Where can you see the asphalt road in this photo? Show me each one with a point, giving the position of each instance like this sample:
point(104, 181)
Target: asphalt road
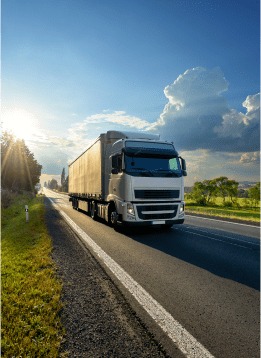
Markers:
point(205, 273)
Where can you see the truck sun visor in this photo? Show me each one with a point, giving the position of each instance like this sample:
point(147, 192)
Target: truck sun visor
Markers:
point(150, 152)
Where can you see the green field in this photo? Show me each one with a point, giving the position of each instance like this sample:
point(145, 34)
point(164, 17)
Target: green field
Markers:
point(244, 209)
point(30, 291)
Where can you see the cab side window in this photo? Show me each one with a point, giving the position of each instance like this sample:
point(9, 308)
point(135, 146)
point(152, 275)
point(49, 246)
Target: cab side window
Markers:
point(117, 162)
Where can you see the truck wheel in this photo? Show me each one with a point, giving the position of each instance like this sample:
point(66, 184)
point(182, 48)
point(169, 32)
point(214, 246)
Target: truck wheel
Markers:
point(111, 208)
point(114, 218)
point(93, 212)
point(74, 204)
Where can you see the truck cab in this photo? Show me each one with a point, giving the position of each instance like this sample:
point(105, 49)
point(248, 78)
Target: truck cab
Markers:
point(146, 182)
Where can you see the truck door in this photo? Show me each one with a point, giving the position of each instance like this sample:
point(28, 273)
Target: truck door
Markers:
point(115, 183)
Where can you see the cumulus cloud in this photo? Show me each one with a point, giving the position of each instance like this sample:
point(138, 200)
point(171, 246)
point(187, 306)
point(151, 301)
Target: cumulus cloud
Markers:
point(197, 116)
point(250, 158)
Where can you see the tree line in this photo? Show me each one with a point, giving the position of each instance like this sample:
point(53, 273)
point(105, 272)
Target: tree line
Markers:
point(207, 191)
point(53, 184)
point(19, 169)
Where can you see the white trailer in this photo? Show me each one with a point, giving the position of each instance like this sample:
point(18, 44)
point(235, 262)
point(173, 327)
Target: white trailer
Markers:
point(129, 178)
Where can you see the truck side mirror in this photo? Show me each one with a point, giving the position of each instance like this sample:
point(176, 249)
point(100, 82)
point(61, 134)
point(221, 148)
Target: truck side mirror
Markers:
point(183, 164)
point(114, 161)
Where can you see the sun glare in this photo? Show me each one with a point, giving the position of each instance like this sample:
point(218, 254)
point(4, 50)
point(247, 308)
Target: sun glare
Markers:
point(22, 123)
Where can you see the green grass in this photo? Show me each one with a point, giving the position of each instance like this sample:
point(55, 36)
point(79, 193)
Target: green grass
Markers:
point(30, 290)
point(242, 211)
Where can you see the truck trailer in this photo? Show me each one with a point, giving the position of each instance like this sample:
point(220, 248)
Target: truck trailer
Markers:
point(129, 179)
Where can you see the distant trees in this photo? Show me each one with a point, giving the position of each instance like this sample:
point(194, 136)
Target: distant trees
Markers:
point(204, 192)
point(254, 193)
point(63, 177)
point(53, 184)
point(64, 182)
point(19, 169)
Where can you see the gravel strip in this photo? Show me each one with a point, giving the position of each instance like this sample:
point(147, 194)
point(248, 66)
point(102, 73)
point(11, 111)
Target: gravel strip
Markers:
point(247, 222)
point(97, 319)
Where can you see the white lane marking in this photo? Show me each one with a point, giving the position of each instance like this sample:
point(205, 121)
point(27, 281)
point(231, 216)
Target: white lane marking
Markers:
point(249, 242)
point(176, 332)
point(228, 222)
point(230, 243)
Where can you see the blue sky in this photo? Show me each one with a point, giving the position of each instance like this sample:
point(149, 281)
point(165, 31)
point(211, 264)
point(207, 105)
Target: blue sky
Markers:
point(72, 69)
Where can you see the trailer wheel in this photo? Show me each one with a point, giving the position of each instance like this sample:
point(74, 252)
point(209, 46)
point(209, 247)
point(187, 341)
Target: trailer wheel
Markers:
point(74, 204)
point(93, 212)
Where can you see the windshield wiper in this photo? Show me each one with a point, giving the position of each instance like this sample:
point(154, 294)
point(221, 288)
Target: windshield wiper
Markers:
point(144, 169)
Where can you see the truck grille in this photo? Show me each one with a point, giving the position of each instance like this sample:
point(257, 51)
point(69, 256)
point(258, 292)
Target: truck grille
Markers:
point(144, 212)
point(156, 194)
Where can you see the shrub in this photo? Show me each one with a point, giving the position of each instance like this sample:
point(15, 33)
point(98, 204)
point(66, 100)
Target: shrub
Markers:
point(228, 204)
point(6, 198)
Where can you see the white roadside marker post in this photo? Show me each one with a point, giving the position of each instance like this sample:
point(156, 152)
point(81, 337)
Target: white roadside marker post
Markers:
point(26, 213)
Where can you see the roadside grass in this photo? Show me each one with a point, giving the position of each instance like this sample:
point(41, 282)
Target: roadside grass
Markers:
point(243, 210)
point(31, 325)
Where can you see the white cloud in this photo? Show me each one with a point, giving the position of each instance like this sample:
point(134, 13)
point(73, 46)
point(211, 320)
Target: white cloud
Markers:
point(119, 117)
point(234, 124)
point(197, 116)
point(250, 158)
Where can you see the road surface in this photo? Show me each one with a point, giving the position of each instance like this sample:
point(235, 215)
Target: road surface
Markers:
point(205, 274)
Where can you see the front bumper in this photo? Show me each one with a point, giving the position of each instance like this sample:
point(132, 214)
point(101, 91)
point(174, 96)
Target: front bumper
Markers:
point(152, 214)
point(149, 223)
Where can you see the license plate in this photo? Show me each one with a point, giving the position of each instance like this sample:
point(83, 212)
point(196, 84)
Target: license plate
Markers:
point(158, 222)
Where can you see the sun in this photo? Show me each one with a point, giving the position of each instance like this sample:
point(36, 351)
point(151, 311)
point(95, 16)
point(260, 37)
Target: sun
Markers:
point(22, 123)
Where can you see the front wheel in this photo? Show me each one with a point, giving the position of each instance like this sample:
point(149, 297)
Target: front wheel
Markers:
point(111, 209)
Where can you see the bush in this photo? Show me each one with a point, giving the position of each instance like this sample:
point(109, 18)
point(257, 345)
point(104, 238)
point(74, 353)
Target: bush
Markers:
point(246, 203)
point(201, 202)
point(228, 204)
point(6, 198)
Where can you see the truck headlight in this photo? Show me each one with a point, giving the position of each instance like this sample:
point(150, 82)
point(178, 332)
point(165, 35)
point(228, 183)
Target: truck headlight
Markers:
point(130, 209)
point(182, 208)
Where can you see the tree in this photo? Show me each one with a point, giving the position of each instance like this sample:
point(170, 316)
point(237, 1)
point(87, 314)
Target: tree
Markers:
point(197, 193)
point(232, 190)
point(19, 169)
point(221, 187)
point(254, 193)
point(66, 184)
point(203, 192)
point(63, 177)
point(53, 184)
point(209, 190)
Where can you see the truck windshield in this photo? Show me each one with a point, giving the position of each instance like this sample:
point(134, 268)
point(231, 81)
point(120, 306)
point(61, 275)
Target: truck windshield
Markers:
point(157, 167)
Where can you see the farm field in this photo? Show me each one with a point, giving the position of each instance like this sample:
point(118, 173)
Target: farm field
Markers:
point(243, 211)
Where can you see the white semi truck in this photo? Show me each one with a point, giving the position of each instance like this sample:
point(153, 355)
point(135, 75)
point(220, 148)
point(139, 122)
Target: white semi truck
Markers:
point(129, 178)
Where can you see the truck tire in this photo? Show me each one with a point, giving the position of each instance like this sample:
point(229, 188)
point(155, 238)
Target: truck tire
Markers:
point(93, 212)
point(74, 204)
point(111, 209)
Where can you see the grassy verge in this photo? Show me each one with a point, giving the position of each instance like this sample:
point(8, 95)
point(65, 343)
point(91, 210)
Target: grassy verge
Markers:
point(30, 291)
point(248, 214)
